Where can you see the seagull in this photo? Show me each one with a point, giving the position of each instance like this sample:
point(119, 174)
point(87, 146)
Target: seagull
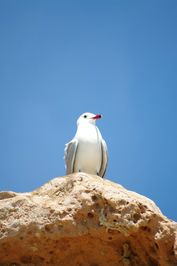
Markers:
point(87, 151)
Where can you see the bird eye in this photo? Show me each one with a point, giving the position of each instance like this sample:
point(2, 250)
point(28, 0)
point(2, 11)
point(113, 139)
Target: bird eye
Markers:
point(85, 116)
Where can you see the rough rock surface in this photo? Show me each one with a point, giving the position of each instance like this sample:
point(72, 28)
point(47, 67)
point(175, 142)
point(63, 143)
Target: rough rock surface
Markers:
point(84, 220)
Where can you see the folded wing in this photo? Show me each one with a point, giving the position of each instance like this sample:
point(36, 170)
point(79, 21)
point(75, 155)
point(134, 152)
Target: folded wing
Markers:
point(104, 163)
point(70, 155)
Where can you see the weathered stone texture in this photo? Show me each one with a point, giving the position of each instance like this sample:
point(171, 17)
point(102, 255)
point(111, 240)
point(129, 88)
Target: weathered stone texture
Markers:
point(84, 220)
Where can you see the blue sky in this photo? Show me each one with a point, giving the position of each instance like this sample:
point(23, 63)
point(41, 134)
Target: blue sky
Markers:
point(59, 59)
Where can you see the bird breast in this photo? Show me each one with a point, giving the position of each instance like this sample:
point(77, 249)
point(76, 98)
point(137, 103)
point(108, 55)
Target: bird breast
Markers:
point(89, 156)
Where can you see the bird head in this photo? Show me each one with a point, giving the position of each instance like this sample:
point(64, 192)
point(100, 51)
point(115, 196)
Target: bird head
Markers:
point(88, 118)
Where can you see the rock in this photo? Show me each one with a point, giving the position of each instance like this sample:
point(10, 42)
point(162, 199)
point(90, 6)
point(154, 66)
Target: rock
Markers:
point(84, 220)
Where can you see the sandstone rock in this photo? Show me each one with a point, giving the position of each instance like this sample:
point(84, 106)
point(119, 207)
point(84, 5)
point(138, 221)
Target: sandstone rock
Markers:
point(84, 220)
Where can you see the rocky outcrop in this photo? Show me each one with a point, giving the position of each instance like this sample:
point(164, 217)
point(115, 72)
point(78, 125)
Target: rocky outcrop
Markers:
point(84, 220)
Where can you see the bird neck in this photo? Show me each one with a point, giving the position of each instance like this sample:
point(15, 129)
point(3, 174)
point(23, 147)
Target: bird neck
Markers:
point(87, 131)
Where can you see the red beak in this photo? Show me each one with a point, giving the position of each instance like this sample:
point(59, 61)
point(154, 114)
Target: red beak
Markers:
point(97, 117)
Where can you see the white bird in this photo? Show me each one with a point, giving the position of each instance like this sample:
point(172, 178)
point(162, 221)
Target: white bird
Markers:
point(87, 151)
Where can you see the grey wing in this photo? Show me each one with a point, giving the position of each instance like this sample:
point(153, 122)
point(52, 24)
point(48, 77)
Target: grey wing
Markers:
point(104, 158)
point(69, 155)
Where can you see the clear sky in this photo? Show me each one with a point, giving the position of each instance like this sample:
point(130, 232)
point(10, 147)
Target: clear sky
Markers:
point(59, 59)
